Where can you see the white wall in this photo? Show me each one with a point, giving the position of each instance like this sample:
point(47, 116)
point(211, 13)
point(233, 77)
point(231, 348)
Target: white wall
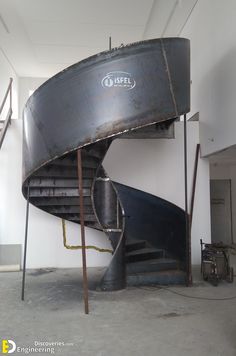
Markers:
point(45, 248)
point(212, 31)
point(27, 84)
point(7, 72)
point(227, 171)
point(155, 166)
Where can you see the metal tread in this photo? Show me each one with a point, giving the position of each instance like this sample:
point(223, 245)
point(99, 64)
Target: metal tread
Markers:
point(72, 164)
point(152, 265)
point(51, 171)
point(76, 217)
point(58, 192)
point(68, 209)
point(173, 277)
point(58, 182)
point(145, 250)
point(59, 201)
point(144, 254)
point(134, 245)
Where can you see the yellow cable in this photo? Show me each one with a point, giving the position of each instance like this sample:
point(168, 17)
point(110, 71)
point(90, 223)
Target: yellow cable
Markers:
point(71, 247)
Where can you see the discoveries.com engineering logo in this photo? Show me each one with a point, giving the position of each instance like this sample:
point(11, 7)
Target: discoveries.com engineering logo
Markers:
point(39, 347)
point(8, 346)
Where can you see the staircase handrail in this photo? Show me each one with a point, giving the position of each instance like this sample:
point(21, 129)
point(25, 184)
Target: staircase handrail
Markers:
point(7, 120)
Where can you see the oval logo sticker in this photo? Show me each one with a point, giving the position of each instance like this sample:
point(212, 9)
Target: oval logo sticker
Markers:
point(118, 80)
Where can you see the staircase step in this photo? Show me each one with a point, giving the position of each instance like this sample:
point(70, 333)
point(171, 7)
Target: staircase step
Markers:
point(154, 265)
point(133, 245)
point(63, 172)
point(57, 192)
point(87, 162)
point(58, 201)
point(52, 171)
point(76, 218)
point(58, 183)
point(72, 209)
point(160, 278)
point(144, 254)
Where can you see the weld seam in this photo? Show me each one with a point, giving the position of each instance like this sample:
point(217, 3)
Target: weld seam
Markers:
point(169, 77)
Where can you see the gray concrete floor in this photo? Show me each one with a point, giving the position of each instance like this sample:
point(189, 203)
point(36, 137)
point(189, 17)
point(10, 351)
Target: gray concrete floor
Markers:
point(136, 321)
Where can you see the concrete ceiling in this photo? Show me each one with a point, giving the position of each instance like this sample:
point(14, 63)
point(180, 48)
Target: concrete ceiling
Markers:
point(41, 37)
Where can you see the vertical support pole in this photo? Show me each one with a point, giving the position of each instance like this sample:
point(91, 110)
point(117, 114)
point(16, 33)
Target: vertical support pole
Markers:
point(26, 241)
point(117, 214)
point(81, 200)
point(11, 93)
point(194, 183)
point(231, 212)
point(187, 227)
point(201, 243)
point(110, 43)
point(11, 80)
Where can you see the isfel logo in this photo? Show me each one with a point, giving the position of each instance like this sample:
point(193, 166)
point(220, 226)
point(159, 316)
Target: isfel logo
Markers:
point(8, 346)
point(118, 80)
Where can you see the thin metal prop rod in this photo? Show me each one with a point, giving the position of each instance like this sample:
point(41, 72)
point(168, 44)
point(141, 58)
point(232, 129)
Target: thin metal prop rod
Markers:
point(194, 184)
point(81, 200)
point(110, 43)
point(26, 241)
point(187, 227)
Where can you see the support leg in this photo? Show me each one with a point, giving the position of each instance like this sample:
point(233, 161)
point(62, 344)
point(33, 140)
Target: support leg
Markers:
point(81, 199)
point(25, 245)
point(187, 227)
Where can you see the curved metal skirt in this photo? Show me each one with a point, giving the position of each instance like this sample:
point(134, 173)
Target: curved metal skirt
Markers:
point(88, 105)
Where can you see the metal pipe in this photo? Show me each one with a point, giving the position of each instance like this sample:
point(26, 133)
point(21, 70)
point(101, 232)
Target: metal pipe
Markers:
point(25, 245)
point(194, 183)
point(110, 43)
point(187, 229)
point(11, 97)
point(231, 212)
point(7, 122)
point(81, 200)
point(6, 95)
point(117, 213)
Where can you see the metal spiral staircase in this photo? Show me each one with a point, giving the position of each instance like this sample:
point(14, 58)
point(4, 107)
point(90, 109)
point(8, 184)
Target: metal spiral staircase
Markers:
point(87, 106)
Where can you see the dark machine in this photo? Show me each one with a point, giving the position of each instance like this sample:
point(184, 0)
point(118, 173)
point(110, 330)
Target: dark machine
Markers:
point(215, 263)
point(85, 107)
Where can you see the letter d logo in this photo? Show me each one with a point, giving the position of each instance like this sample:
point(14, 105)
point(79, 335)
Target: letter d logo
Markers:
point(5, 346)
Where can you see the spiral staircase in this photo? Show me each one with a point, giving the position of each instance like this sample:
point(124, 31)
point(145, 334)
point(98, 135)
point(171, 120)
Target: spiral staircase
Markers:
point(86, 107)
